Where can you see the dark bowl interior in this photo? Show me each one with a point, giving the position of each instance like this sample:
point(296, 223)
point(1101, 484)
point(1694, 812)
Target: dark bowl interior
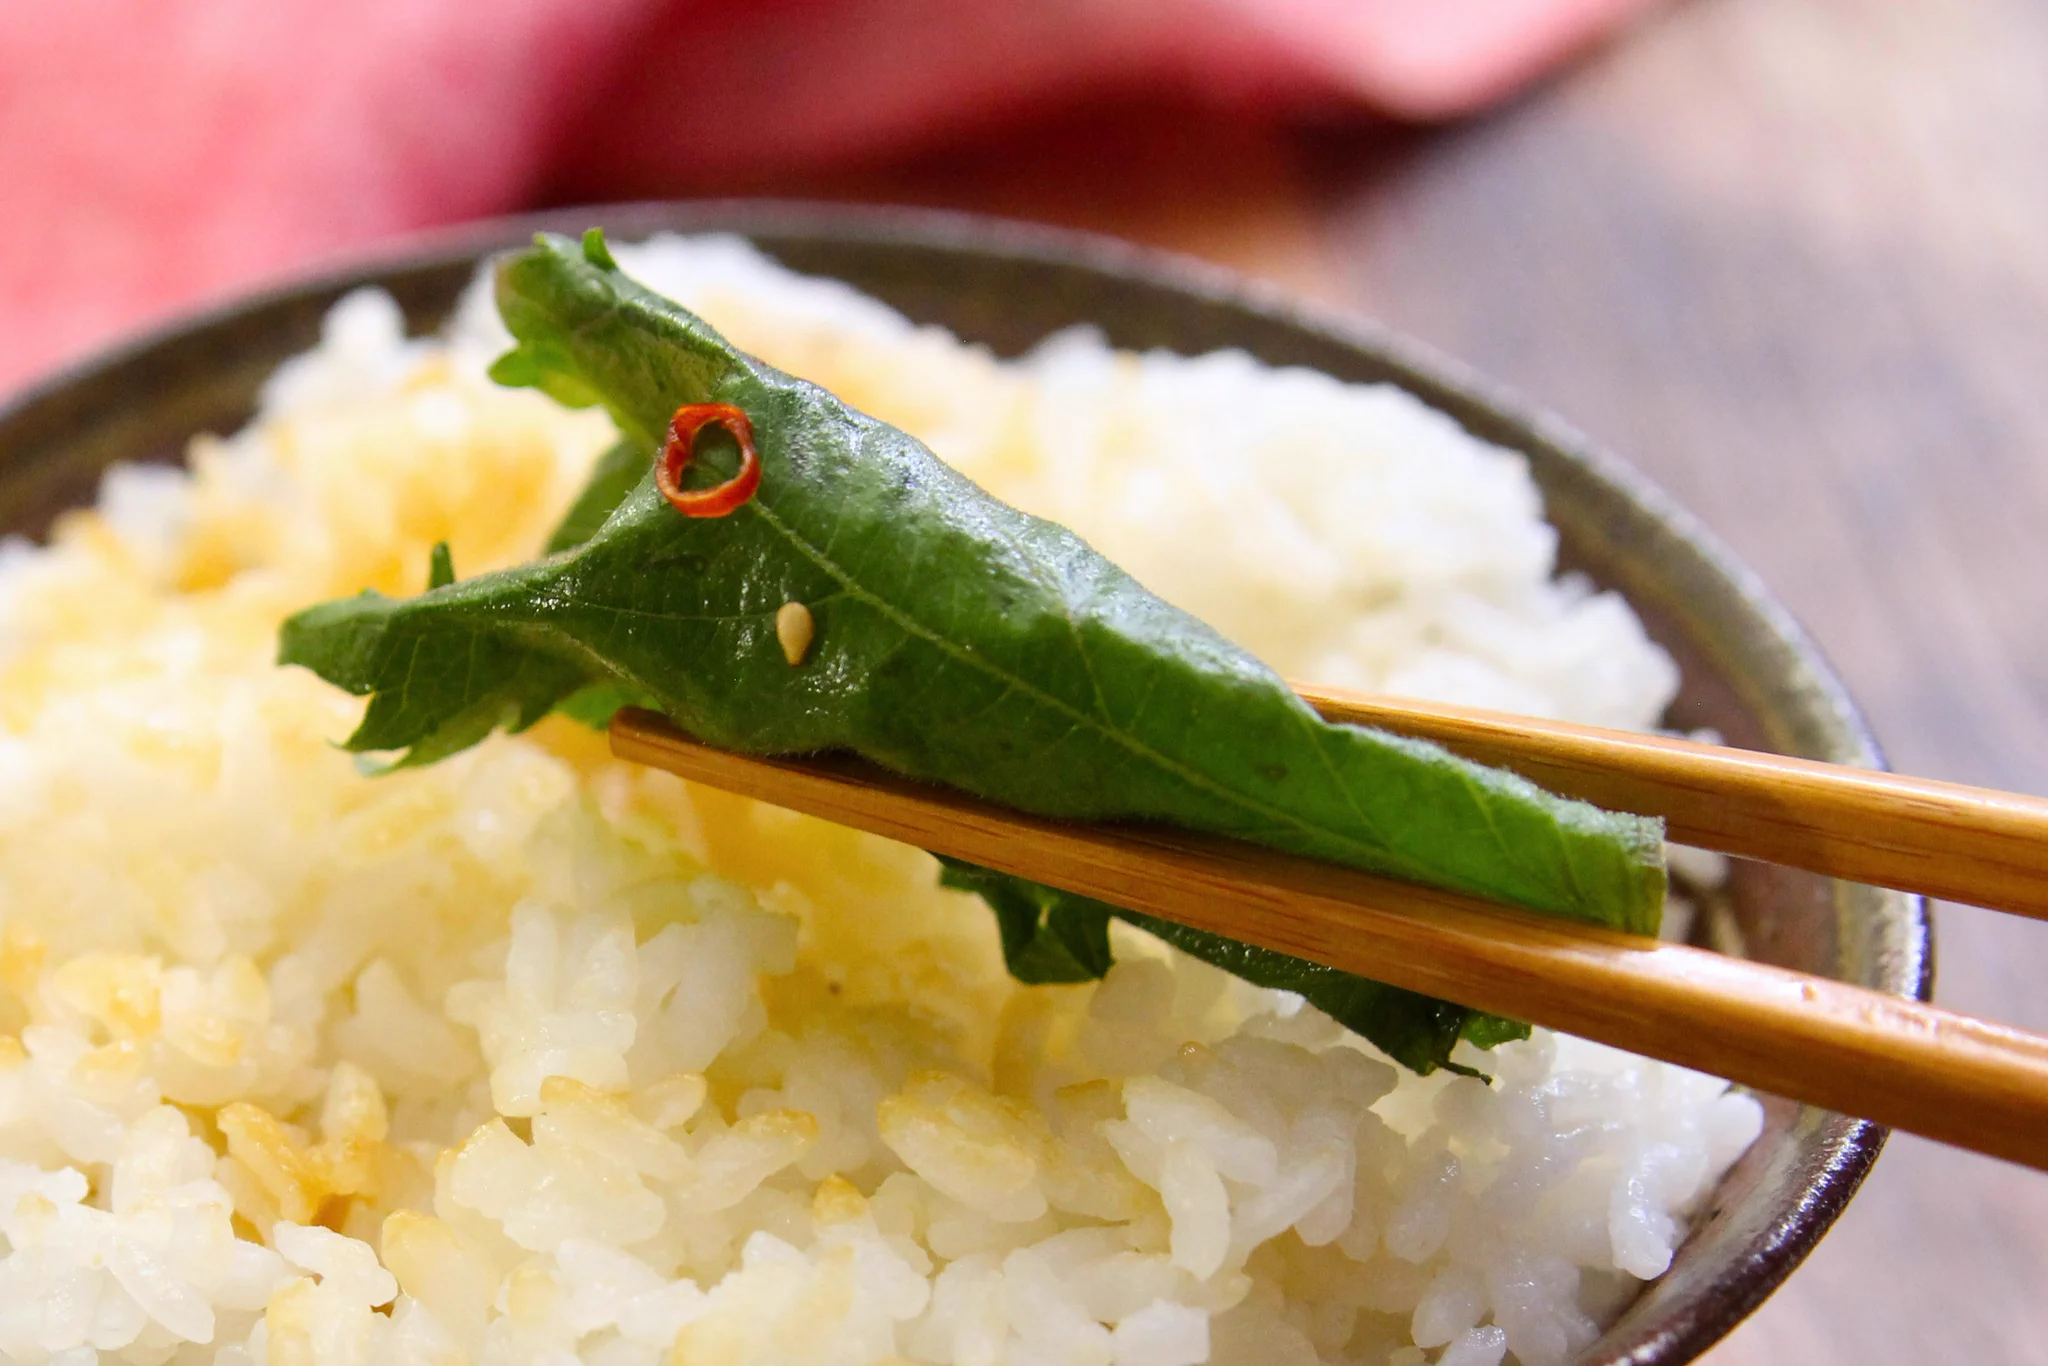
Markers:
point(1748, 670)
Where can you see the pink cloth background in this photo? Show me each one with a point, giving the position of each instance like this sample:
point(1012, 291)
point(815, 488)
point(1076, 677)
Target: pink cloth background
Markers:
point(158, 153)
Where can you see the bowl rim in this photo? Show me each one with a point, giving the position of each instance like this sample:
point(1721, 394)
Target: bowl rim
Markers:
point(1431, 374)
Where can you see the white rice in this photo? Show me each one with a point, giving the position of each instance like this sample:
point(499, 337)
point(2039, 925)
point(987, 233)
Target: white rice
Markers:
point(535, 1057)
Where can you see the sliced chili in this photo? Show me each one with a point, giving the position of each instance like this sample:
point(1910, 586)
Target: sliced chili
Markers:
point(719, 499)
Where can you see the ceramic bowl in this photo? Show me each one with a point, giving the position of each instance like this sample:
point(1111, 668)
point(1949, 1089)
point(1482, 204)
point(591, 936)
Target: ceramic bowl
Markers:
point(1749, 671)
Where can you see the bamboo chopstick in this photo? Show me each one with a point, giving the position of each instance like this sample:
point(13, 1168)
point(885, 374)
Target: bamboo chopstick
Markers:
point(1900, 1062)
point(1967, 844)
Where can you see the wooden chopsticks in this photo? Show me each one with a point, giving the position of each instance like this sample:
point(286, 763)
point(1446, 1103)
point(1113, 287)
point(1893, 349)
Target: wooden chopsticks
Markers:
point(1967, 844)
point(1901, 1062)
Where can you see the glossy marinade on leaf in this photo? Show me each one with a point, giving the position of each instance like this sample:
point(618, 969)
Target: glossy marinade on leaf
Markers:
point(956, 640)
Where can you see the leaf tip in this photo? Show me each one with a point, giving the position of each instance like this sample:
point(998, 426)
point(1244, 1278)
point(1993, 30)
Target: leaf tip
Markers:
point(596, 252)
point(370, 765)
point(440, 567)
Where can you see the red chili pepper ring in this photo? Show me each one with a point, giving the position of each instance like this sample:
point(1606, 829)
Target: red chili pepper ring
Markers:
point(719, 499)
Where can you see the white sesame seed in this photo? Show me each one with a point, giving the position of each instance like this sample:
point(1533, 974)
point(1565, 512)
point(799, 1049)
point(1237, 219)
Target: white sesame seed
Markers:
point(794, 627)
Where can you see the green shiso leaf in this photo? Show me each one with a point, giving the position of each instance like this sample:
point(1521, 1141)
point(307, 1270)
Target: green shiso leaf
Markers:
point(958, 640)
point(1048, 935)
point(611, 479)
point(1055, 936)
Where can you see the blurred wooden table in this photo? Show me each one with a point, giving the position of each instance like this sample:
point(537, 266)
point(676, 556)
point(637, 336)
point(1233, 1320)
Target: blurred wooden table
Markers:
point(1791, 258)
